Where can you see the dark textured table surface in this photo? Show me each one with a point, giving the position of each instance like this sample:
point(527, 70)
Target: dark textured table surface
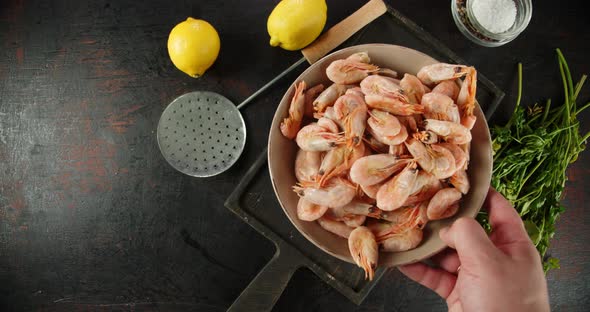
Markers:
point(93, 218)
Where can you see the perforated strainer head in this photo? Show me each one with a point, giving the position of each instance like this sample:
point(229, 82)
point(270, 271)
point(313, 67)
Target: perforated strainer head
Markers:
point(201, 134)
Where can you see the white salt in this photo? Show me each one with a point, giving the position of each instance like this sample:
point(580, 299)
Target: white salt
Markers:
point(496, 16)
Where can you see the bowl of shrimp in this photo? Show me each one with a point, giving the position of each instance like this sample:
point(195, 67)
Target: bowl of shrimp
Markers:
point(375, 148)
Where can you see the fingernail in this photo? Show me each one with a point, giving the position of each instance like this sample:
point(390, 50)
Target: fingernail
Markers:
point(442, 232)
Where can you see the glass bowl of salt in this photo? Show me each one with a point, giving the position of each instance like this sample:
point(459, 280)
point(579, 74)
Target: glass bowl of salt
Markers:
point(491, 23)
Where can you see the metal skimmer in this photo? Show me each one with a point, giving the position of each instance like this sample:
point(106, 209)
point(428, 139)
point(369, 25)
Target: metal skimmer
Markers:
point(201, 134)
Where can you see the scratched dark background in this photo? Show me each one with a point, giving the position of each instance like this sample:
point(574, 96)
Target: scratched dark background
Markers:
point(92, 217)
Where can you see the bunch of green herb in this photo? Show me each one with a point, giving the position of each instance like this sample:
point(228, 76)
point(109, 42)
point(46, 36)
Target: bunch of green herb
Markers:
point(531, 155)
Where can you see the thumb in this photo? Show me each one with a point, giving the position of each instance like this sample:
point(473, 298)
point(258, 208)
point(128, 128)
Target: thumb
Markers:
point(470, 240)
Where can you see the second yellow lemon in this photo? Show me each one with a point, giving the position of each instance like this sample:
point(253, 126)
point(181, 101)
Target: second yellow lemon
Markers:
point(293, 24)
point(193, 46)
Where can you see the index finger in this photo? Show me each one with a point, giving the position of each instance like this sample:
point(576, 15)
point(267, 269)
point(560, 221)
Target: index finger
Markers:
point(505, 220)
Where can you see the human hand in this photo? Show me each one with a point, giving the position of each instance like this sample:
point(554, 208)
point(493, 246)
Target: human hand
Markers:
point(499, 273)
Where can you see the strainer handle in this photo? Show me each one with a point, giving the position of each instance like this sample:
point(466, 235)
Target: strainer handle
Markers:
point(344, 30)
point(268, 285)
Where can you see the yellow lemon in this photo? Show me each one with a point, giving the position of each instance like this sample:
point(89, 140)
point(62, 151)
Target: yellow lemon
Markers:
point(193, 46)
point(293, 24)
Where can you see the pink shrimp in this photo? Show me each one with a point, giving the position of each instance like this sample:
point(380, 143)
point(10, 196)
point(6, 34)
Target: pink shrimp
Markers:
point(338, 192)
point(396, 105)
point(376, 145)
point(307, 165)
point(308, 211)
point(452, 132)
point(349, 71)
point(291, 125)
point(411, 122)
point(443, 204)
point(466, 97)
point(355, 91)
point(441, 107)
point(433, 158)
point(371, 190)
point(398, 150)
point(373, 169)
point(332, 165)
point(310, 95)
point(328, 97)
point(458, 154)
point(448, 88)
point(386, 128)
point(380, 85)
point(364, 251)
point(313, 138)
point(394, 192)
point(354, 125)
point(413, 88)
point(335, 227)
point(403, 241)
point(435, 73)
point(460, 181)
point(426, 137)
point(328, 124)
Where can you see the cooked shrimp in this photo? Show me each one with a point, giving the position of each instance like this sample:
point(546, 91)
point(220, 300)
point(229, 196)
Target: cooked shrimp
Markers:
point(441, 107)
point(396, 105)
point(398, 150)
point(349, 71)
point(373, 169)
point(413, 88)
point(376, 145)
point(291, 125)
point(411, 122)
point(466, 97)
point(353, 220)
point(435, 73)
point(425, 193)
point(358, 207)
point(448, 88)
point(347, 103)
point(328, 97)
point(331, 114)
point(332, 165)
point(364, 251)
point(308, 211)
point(338, 192)
point(383, 123)
point(460, 181)
point(426, 137)
point(307, 165)
point(443, 162)
point(362, 57)
point(310, 95)
point(354, 125)
point(355, 91)
point(396, 139)
point(433, 158)
point(335, 227)
point(458, 154)
point(350, 219)
point(313, 138)
point(328, 124)
point(443, 204)
point(380, 85)
point(337, 161)
point(452, 132)
point(402, 216)
point(403, 241)
point(394, 192)
point(371, 190)
point(468, 121)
